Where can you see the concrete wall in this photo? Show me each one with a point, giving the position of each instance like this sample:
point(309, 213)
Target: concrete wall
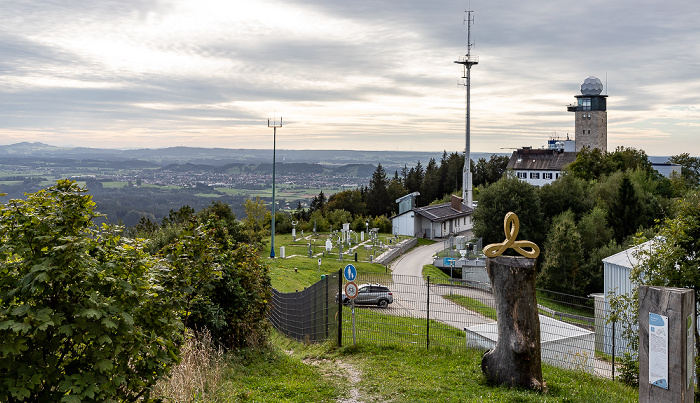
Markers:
point(395, 251)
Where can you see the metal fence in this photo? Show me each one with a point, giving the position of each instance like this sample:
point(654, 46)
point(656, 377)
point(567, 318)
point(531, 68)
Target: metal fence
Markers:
point(308, 315)
point(448, 314)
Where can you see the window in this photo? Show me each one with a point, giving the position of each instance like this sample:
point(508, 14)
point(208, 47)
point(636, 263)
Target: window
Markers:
point(547, 175)
point(522, 175)
point(557, 176)
point(584, 103)
point(534, 175)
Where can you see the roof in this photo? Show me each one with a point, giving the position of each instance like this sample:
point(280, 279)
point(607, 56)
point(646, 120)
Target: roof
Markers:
point(542, 160)
point(443, 212)
point(629, 257)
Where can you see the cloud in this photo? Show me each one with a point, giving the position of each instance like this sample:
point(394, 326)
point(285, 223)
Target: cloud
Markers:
point(358, 74)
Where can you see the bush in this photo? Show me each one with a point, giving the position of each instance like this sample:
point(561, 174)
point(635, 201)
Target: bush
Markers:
point(80, 318)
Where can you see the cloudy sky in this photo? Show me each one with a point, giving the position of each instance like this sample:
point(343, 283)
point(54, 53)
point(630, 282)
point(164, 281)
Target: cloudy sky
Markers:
point(357, 74)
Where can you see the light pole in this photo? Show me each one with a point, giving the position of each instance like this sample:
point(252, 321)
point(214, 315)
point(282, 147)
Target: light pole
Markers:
point(274, 127)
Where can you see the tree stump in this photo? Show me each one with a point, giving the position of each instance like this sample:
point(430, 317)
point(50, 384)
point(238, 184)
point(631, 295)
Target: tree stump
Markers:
point(516, 360)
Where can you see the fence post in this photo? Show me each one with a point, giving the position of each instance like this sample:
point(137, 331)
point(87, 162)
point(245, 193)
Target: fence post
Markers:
point(427, 317)
point(613, 350)
point(340, 308)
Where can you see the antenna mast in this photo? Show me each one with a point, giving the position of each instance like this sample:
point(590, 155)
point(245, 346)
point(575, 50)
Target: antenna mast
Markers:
point(467, 62)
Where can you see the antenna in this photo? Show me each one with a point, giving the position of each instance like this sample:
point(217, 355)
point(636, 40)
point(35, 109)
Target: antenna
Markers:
point(467, 61)
point(274, 127)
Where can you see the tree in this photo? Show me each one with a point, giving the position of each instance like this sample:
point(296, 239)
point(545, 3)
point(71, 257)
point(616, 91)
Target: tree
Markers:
point(431, 183)
point(690, 168)
point(318, 203)
point(348, 200)
point(377, 196)
point(566, 193)
point(506, 195)
point(590, 164)
point(257, 222)
point(81, 317)
point(671, 261)
point(453, 173)
point(561, 266)
point(625, 211)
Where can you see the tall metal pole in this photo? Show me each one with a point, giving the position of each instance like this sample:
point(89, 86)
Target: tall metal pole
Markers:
point(274, 127)
point(467, 61)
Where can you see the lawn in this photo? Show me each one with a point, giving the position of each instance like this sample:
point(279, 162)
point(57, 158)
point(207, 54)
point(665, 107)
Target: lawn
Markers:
point(290, 371)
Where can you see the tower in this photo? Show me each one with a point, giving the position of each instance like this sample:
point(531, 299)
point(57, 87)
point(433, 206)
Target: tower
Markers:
point(467, 61)
point(591, 116)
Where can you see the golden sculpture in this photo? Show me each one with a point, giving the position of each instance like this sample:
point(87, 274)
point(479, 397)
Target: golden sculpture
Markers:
point(511, 226)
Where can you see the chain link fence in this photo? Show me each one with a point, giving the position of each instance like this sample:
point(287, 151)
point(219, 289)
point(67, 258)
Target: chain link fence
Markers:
point(448, 314)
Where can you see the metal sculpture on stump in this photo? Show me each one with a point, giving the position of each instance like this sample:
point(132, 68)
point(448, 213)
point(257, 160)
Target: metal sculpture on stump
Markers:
point(516, 359)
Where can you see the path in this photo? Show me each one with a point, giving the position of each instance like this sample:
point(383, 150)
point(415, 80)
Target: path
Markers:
point(412, 295)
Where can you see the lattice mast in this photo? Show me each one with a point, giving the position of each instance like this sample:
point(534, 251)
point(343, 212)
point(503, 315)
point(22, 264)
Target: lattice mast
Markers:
point(467, 61)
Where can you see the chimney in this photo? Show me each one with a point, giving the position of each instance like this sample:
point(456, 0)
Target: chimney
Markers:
point(456, 203)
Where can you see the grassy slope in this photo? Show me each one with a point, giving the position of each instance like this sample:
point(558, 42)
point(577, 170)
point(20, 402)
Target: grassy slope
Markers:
point(297, 372)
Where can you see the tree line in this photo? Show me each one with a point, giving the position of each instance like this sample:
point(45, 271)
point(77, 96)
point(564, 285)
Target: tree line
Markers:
point(373, 204)
point(603, 204)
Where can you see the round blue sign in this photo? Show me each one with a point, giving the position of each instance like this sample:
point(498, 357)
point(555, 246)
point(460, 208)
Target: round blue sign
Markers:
point(350, 272)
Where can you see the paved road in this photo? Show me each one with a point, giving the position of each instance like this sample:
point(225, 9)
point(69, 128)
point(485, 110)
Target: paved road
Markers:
point(410, 291)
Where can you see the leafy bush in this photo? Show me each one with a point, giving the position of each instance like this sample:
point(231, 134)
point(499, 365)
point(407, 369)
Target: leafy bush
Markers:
point(80, 317)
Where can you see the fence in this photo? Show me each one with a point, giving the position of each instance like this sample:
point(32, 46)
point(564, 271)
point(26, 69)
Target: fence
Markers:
point(308, 315)
point(448, 314)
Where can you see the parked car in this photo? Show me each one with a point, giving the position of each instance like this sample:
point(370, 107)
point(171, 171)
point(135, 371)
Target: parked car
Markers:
point(370, 294)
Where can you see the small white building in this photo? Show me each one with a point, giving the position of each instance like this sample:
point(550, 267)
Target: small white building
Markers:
point(616, 281)
point(431, 222)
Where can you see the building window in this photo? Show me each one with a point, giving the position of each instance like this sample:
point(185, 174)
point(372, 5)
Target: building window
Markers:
point(557, 176)
point(547, 175)
point(585, 104)
point(534, 175)
point(522, 175)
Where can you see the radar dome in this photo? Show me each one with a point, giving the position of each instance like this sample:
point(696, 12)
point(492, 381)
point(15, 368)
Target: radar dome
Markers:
point(591, 86)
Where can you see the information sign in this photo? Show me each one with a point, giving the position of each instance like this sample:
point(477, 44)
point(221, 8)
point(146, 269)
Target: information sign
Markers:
point(351, 290)
point(350, 272)
point(658, 350)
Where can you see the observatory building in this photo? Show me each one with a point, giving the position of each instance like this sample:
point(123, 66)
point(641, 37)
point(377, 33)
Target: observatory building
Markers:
point(591, 116)
point(543, 166)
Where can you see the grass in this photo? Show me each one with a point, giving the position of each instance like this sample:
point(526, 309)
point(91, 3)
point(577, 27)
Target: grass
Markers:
point(472, 305)
point(286, 279)
point(290, 371)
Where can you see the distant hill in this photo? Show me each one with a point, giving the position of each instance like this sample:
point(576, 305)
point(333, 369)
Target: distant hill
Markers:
point(390, 160)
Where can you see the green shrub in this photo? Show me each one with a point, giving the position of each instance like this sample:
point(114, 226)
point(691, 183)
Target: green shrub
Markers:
point(80, 318)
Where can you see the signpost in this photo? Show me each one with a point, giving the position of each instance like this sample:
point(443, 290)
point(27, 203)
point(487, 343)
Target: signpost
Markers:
point(350, 274)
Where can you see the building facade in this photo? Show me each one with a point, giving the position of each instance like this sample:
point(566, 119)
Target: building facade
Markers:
point(591, 119)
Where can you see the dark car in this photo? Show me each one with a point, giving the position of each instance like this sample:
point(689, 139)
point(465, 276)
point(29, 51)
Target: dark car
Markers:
point(371, 294)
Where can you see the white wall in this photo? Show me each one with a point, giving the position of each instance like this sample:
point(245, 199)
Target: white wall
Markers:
point(539, 180)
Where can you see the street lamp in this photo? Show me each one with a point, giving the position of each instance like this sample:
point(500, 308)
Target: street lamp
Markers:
point(274, 127)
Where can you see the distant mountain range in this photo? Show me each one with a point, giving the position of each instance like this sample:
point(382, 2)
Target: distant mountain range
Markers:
point(391, 160)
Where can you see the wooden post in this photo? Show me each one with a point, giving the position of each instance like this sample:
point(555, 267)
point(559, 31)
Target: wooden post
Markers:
point(666, 344)
point(516, 360)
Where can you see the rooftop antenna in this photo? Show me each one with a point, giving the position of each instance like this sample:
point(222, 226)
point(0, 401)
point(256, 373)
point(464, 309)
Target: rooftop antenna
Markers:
point(467, 61)
point(274, 127)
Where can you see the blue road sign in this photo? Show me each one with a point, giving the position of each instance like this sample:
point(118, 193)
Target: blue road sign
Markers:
point(350, 272)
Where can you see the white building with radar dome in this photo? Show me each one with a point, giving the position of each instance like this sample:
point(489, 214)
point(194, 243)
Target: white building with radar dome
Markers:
point(543, 166)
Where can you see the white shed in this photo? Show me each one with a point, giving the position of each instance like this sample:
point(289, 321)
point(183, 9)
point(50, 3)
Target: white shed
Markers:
point(616, 281)
point(562, 345)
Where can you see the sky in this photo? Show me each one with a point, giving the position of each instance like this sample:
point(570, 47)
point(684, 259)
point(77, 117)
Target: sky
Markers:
point(353, 75)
